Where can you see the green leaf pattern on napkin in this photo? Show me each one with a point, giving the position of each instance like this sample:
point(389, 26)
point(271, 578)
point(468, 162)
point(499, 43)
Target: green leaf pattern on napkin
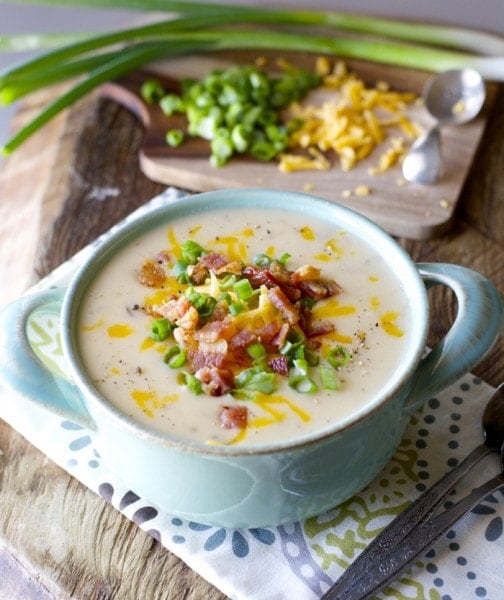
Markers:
point(44, 338)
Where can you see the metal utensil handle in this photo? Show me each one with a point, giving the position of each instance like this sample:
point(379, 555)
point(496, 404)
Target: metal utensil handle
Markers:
point(420, 539)
point(394, 534)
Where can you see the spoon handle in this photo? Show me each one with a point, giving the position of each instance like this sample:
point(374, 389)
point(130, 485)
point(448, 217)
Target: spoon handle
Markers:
point(385, 570)
point(393, 536)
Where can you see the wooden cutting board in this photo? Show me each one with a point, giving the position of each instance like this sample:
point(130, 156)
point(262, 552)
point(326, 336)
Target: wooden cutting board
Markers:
point(401, 208)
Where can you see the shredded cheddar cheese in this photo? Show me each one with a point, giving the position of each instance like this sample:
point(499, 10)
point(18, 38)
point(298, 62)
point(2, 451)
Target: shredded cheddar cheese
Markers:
point(352, 123)
point(119, 330)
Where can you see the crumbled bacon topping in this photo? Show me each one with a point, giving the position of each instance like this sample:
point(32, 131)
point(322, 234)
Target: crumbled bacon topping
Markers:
point(152, 274)
point(233, 417)
point(216, 381)
point(216, 345)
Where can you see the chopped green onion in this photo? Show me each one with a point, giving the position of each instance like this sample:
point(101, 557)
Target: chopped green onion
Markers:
point(227, 282)
point(263, 150)
point(293, 349)
point(311, 357)
point(262, 260)
point(299, 351)
point(203, 303)
point(301, 366)
point(257, 380)
point(174, 137)
point(287, 348)
point(175, 357)
point(338, 357)
point(257, 352)
point(240, 137)
point(152, 91)
point(284, 258)
point(191, 382)
point(170, 103)
point(222, 149)
point(191, 251)
point(161, 329)
point(329, 379)
point(225, 297)
point(235, 308)
point(232, 109)
point(179, 271)
point(302, 384)
point(243, 289)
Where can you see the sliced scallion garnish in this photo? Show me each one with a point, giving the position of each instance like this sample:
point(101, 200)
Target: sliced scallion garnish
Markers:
point(191, 251)
point(175, 357)
point(256, 379)
point(191, 382)
point(302, 384)
point(257, 352)
point(161, 329)
point(338, 357)
point(329, 378)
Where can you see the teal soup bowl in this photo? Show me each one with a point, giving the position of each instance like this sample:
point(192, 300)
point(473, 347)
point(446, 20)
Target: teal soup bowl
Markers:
point(247, 358)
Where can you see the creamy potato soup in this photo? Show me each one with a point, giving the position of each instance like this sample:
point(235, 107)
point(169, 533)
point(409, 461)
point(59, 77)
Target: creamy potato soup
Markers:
point(227, 328)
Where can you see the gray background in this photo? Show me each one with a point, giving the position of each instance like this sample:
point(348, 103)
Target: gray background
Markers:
point(481, 14)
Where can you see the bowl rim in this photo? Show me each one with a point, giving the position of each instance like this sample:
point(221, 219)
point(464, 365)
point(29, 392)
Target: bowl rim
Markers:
point(130, 230)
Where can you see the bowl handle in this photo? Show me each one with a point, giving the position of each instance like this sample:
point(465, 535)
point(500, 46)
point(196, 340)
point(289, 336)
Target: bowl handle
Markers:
point(24, 371)
point(476, 328)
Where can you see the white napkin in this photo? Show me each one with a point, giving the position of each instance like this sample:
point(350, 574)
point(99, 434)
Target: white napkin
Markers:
point(300, 561)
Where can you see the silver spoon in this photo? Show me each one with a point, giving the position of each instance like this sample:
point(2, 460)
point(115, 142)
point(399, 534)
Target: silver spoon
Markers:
point(452, 98)
point(415, 529)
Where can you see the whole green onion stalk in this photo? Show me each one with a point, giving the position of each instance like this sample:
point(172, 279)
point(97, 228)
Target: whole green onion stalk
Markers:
point(93, 59)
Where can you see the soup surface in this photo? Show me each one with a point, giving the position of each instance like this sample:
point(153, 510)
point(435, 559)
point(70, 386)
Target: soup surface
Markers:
point(195, 329)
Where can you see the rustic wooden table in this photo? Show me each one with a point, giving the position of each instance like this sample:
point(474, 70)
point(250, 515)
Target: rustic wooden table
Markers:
point(64, 187)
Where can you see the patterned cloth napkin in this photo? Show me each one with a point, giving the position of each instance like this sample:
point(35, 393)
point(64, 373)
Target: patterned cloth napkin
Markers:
point(300, 561)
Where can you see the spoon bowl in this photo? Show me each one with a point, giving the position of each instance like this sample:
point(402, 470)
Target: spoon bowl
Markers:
point(455, 97)
point(451, 98)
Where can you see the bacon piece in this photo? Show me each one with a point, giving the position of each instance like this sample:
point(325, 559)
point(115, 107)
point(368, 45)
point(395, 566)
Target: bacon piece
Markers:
point(233, 417)
point(281, 337)
point(258, 277)
point(215, 381)
point(233, 267)
point(279, 364)
point(152, 274)
point(267, 333)
point(292, 292)
point(279, 272)
point(280, 301)
point(212, 331)
point(198, 360)
point(174, 309)
point(319, 288)
point(213, 261)
point(189, 320)
point(198, 273)
point(242, 339)
point(319, 328)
